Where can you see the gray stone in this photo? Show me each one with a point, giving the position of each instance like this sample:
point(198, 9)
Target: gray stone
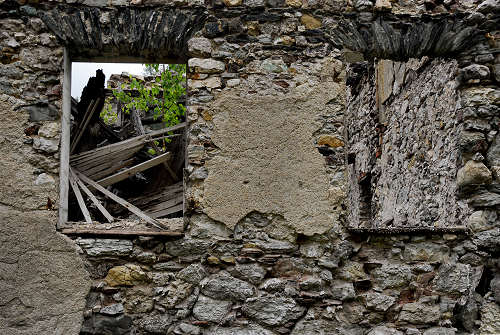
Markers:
point(383, 330)
point(250, 329)
point(103, 324)
point(193, 274)
point(49, 129)
point(223, 286)
point(343, 291)
point(312, 249)
point(188, 329)
point(200, 173)
point(208, 309)
point(495, 287)
point(490, 318)
point(252, 272)
point(310, 283)
point(174, 294)
point(205, 228)
point(468, 314)
point(113, 309)
point(275, 246)
point(489, 6)
point(168, 266)
point(106, 247)
point(484, 199)
point(254, 3)
point(187, 247)
point(493, 155)
point(476, 71)
point(378, 301)
point(472, 141)
point(45, 144)
point(452, 278)
point(42, 112)
point(155, 324)
point(44, 179)
point(273, 65)
point(202, 65)
point(440, 331)
point(199, 46)
point(417, 313)
point(426, 252)
point(272, 310)
point(392, 275)
point(478, 222)
point(273, 285)
point(473, 173)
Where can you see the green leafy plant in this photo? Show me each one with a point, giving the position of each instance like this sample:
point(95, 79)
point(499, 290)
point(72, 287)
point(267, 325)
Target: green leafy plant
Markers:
point(162, 95)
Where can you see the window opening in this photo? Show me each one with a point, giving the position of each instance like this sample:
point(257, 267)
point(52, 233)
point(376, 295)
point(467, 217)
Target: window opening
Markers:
point(126, 146)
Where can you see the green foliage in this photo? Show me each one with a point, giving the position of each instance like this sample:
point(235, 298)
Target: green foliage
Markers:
point(107, 113)
point(162, 96)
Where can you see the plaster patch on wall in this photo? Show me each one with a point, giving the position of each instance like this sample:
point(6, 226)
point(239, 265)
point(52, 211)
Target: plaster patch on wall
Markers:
point(268, 162)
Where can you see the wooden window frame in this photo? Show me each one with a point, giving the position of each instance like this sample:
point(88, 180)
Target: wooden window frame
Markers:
point(65, 149)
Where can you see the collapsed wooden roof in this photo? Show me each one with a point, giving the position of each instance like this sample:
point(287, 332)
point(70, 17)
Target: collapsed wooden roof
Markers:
point(97, 170)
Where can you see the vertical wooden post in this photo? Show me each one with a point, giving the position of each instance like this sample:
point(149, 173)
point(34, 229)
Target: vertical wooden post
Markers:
point(65, 143)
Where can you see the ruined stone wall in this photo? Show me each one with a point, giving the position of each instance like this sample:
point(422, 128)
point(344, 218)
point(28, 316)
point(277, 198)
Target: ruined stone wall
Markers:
point(267, 249)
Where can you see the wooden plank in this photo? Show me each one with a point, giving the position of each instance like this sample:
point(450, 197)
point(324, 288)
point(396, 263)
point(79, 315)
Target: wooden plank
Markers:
point(96, 202)
point(117, 232)
point(110, 148)
point(167, 211)
point(104, 162)
point(119, 200)
point(166, 204)
point(123, 145)
point(133, 170)
point(88, 115)
point(79, 198)
point(103, 173)
point(65, 142)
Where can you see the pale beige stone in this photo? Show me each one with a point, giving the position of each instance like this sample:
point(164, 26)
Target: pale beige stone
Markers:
point(126, 275)
point(294, 3)
point(232, 3)
point(268, 161)
point(473, 173)
point(382, 5)
point(330, 141)
point(310, 21)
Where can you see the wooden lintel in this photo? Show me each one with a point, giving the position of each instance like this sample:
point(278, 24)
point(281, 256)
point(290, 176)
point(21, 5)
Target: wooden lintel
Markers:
point(119, 232)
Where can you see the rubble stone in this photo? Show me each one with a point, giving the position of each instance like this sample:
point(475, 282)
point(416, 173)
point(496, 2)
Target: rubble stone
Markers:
point(272, 310)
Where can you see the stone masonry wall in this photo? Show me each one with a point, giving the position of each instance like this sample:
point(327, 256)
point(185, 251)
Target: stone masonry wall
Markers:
point(405, 141)
point(267, 246)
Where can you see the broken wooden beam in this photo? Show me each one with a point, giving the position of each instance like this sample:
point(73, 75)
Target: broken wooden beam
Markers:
point(119, 176)
point(92, 197)
point(79, 198)
point(119, 200)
